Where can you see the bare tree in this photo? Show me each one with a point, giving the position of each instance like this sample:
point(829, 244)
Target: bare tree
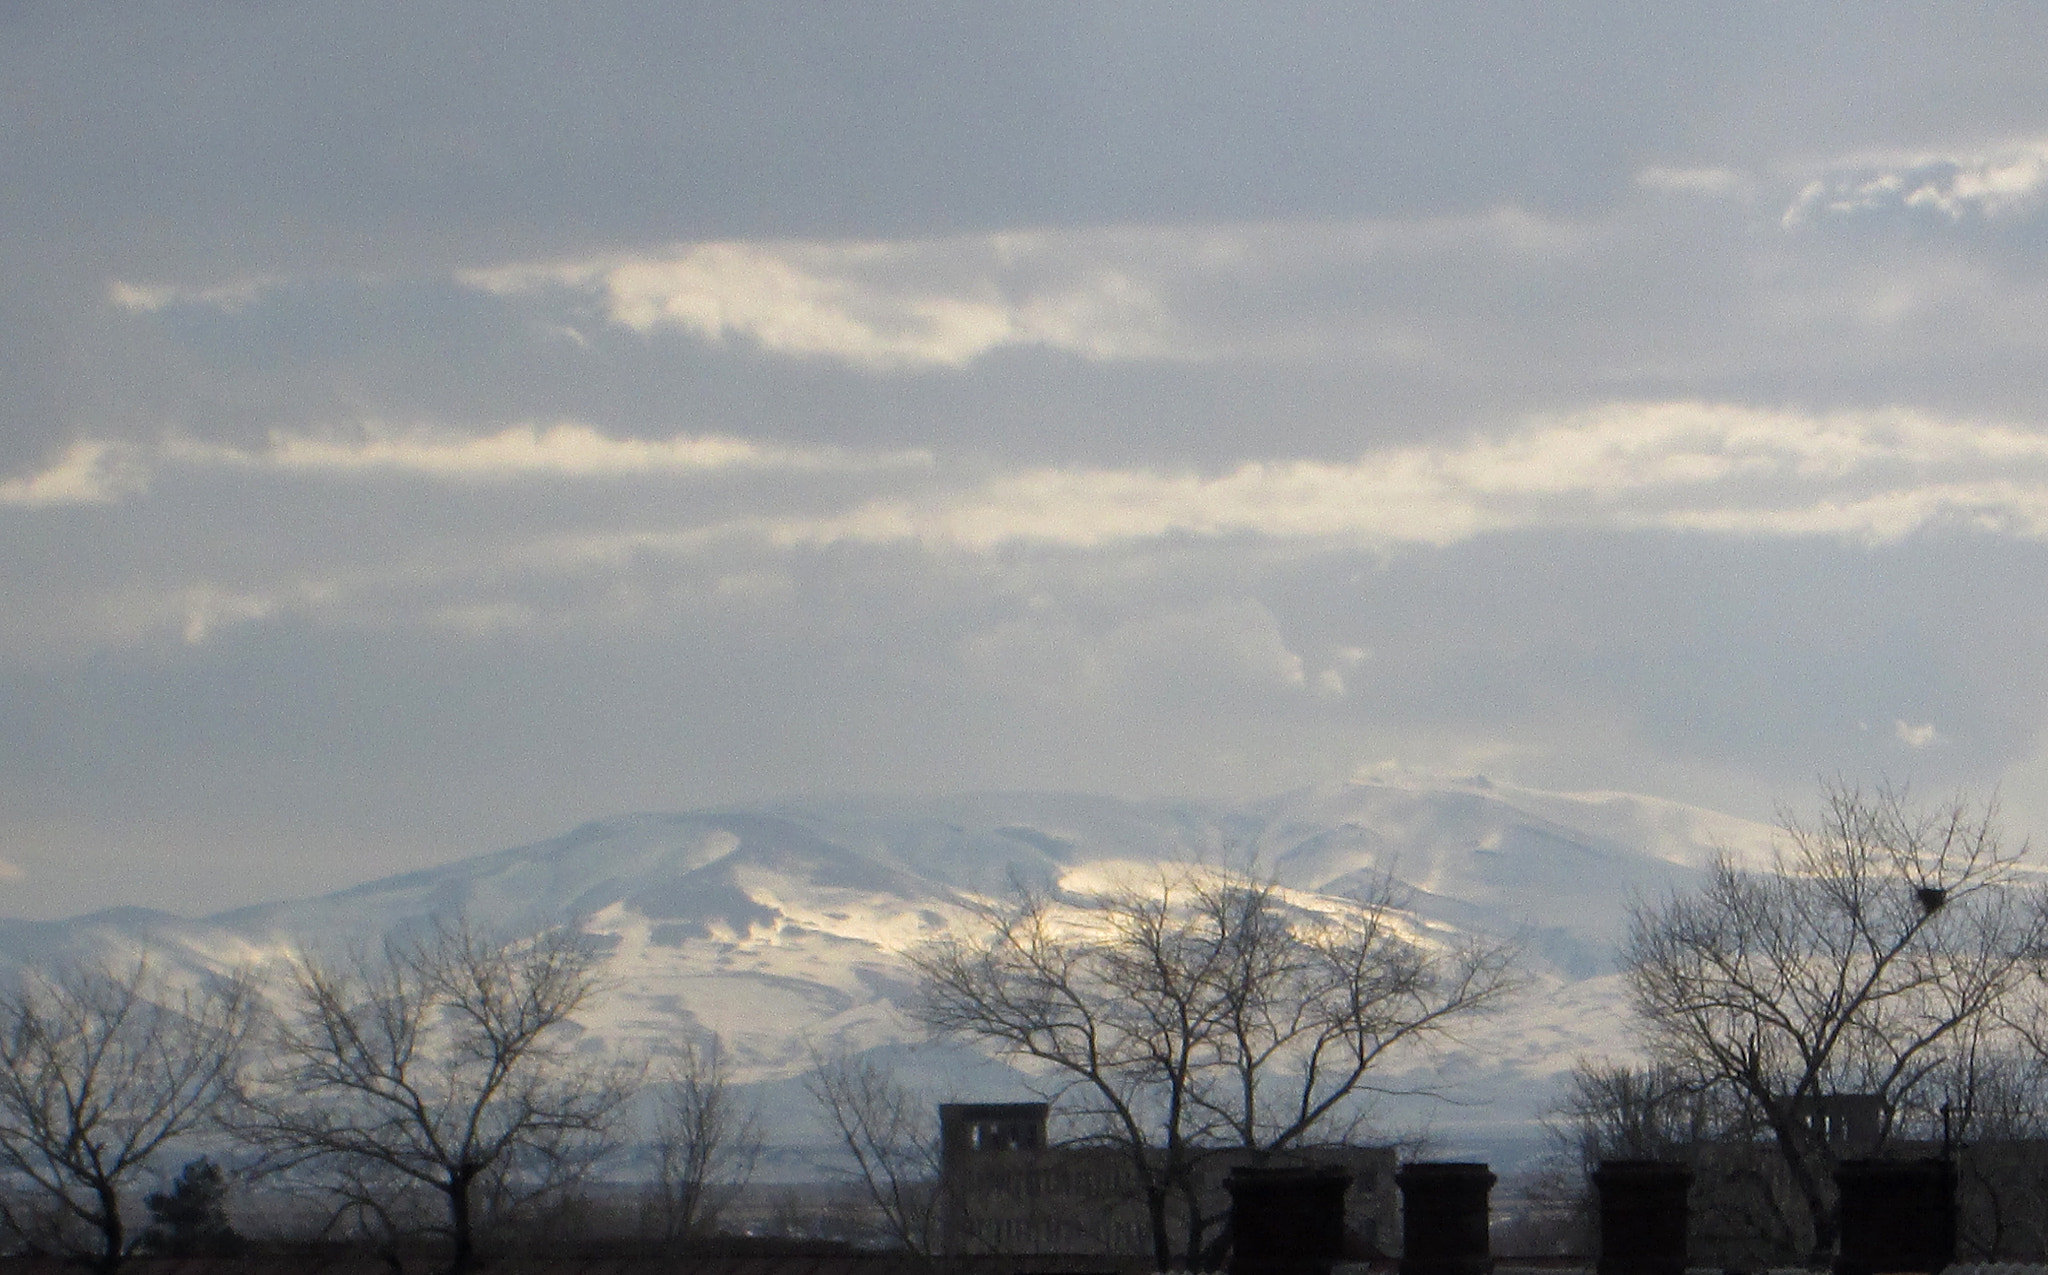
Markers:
point(1662, 1112)
point(890, 1136)
point(706, 1142)
point(1204, 1010)
point(100, 1068)
point(1615, 1111)
point(444, 1062)
point(1875, 939)
point(1991, 1112)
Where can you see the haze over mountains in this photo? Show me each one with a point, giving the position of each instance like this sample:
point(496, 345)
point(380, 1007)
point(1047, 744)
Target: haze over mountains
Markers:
point(781, 925)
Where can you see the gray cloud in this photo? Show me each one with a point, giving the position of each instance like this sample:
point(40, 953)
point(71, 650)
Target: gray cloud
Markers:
point(412, 442)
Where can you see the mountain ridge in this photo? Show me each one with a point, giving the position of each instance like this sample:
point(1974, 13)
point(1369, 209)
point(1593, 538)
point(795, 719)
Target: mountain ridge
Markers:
point(782, 926)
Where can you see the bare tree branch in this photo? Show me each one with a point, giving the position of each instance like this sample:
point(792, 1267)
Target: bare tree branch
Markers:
point(1203, 1010)
point(706, 1142)
point(99, 1069)
point(1879, 938)
point(889, 1135)
point(444, 1061)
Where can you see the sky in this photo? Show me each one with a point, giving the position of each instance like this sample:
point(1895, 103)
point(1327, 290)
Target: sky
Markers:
point(427, 426)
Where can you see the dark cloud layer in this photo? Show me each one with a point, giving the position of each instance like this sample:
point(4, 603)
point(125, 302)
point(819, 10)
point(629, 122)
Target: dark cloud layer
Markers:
point(222, 132)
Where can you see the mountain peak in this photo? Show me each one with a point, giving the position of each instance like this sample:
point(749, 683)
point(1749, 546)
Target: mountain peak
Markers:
point(783, 923)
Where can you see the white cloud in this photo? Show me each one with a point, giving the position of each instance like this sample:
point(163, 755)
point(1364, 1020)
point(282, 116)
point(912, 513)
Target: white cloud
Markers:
point(1694, 181)
point(208, 609)
point(1706, 468)
point(1885, 517)
point(149, 298)
point(89, 472)
point(1101, 294)
point(565, 450)
point(1871, 477)
point(484, 618)
point(2001, 181)
point(1916, 736)
point(97, 471)
point(880, 306)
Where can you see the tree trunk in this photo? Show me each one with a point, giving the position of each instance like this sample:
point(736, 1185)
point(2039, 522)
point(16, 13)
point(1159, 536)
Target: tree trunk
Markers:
point(1190, 1200)
point(459, 1225)
point(1807, 1180)
point(1162, 1244)
point(1825, 1228)
point(113, 1237)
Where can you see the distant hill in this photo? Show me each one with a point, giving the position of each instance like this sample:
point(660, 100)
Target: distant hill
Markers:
point(780, 924)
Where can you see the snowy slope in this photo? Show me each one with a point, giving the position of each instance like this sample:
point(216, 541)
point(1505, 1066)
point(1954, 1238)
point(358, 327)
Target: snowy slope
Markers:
point(780, 925)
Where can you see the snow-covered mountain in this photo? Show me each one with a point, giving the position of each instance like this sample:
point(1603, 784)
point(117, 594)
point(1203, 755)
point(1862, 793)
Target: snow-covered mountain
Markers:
point(782, 924)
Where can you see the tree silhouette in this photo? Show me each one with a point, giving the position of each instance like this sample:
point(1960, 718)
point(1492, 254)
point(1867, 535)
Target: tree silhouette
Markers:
point(1204, 1010)
point(191, 1219)
point(442, 1065)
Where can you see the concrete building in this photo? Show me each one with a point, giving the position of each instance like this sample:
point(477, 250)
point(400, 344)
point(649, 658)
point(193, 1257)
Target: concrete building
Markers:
point(1007, 1190)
